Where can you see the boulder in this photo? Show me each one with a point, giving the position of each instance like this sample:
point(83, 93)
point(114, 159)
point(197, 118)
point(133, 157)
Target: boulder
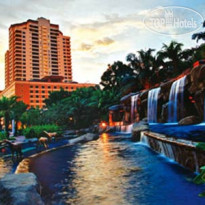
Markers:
point(84, 138)
point(90, 136)
point(82, 131)
point(69, 132)
point(197, 79)
point(137, 128)
point(20, 189)
point(164, 113)
point(199, 97)
point(190, 120)
point(165, 89)
point(94, 128)
point(110, 129)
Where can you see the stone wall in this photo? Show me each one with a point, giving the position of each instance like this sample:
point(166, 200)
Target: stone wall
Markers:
point(183, 152)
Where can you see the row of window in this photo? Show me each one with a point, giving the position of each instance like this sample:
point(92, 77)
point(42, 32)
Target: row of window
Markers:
point(36, 96)
point(49, 87)
point(35, 101)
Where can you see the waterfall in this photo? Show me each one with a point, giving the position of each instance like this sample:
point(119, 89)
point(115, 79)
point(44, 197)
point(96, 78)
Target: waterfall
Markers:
point(179, 152)
point(175, 97)
point(125, 129)
point(170, 151)
point(134, 99)
point(13, 127)
point(152, 105)
point(144, 139)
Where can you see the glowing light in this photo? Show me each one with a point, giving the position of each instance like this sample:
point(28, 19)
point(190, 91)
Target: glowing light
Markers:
point(103, 124)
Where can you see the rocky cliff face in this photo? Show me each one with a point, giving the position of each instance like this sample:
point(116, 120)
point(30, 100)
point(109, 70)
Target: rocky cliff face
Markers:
point(193, 97)
point(20, 189)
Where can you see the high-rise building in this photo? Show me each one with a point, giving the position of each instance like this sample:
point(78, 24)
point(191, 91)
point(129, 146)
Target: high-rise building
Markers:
point(38, 62)
point(37, 49)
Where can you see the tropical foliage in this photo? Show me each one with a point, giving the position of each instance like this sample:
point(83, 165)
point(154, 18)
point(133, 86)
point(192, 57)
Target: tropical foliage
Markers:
point(199, 36)
point(6, 106)
point(32, 116)
point(56, 96)
point(81, 108)
point(200, 179)
point(2, 135)
point(38, 130)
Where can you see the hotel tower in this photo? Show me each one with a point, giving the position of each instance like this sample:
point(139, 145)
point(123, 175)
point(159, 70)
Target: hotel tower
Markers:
point(38, 61)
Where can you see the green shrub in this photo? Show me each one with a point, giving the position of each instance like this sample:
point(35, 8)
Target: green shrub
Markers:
point(200, 145)
point(200, 179)
point(2, 135)
point(12, 138)
point(37, 131)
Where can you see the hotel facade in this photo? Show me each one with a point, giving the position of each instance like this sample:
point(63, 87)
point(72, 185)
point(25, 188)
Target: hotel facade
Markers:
point(38, 62)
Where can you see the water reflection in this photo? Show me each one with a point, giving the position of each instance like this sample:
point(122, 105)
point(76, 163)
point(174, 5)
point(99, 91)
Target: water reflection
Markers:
point(100, 174)
point(113, 171)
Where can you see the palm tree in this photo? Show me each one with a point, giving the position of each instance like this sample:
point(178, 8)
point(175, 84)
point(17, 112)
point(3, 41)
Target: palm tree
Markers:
point(31, 117)
point(199, 36)
point(101, 100)
point(172, 55)
point(56, 96)
point(112, 78)
point(144, 65)
point(16, 112)
point(6, 106)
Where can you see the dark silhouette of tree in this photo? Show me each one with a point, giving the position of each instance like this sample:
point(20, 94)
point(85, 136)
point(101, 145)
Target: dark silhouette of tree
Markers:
point(18, 109)
point(6, 106)
point(199, 36)
point(32, 116)
point(172, 56)
point(56, 96)
point(112, 78)
point(144, 64)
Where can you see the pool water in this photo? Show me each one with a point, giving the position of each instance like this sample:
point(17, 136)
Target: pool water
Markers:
point(188, 132)
point(114, 171)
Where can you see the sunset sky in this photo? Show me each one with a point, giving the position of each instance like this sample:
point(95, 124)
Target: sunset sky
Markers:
point(101, 31)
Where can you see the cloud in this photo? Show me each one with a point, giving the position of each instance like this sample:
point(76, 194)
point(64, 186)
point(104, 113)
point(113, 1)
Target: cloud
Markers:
point(85, 47)
point(105, 41)
point(106, 35)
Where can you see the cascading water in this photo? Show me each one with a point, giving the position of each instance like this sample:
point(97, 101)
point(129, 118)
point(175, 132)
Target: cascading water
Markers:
point(134, 99)
point(144, 139)
point(176, 96)
point(152, 105)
